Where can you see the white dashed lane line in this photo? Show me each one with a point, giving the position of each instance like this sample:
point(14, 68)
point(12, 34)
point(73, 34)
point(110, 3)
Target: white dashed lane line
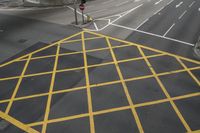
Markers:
point(158, 2)
point(152, 34)
point(159, 10)
point(142, 23)
point(169, 29)
point(170, 2)
point(192, 4)
point(179, 4)
point(182, 14)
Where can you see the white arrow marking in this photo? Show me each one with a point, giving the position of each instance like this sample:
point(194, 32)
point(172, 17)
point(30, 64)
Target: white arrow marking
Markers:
point(179, 4)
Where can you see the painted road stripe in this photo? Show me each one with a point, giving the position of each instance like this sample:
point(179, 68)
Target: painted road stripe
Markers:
point(158, 2)
point(192, 4)
point(148, 33)
point(182, 14)
point(158, 10)
point(142, 23)
point(169, 29)
point(179, 4)
point(17, 123)
point(126, 13)
point(170, 2)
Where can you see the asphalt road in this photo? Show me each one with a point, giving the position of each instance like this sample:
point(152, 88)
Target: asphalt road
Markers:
point(18, 34)
point(169, 25)
point(174, 24)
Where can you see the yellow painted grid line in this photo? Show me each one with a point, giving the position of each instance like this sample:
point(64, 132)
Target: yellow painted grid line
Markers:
point(167, 54)
point(100, 36)
point(80, 40)
point(197, 131)
point(12, 61)
point(189, 72)
point(165, 92)
point(135, 115)
point(77, 52)
point(63, 43)
point(145, 47)
point(89, 97)
point(48, 106)
point(17, 86)
point(78, 68)
point(117, 109)
point(97, 85)
point(17, 123)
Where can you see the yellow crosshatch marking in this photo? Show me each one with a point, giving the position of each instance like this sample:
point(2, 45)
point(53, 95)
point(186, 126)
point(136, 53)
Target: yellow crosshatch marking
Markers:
point(88, 86)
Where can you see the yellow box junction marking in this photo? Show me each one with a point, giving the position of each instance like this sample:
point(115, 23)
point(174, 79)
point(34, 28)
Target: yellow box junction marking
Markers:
point(28, 57)
point(89, 97)
point(125, 88)
point(17, 123)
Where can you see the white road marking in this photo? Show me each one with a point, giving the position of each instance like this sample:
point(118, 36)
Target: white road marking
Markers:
point(158, 2)
point(169, 29)
point(122, 3)
point(148, 33)
point(170, 2)
point(159, 10)
point(142, 23)
point(179, 4)
point(199, 9)
point(119, 16)
point(192, 4)
point(182, 14)
point(95, 25)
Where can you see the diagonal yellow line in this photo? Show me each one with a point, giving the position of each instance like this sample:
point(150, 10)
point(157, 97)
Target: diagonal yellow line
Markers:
point(98, 85)
point(48, 106)
point(77, 68)
point(145, 47)
point(92, 126)
point(125, 88)
point(7, 63)
point(121, 79)
point(189, 72)
point(196, 131)
point(79, 40)
point(165, 92)
point(116, 109)
point(75, 52)
point(17, 86)
point(17, 123)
